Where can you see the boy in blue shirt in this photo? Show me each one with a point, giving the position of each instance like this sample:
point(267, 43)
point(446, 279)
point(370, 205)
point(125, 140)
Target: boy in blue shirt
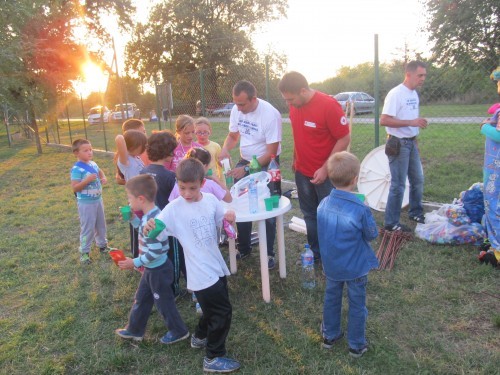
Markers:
point(345, 227)
point(86, 181)
point(155, 285)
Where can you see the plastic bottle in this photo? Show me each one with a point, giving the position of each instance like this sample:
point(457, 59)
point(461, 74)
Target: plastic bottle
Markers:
point(274, 170)
point(254, 165)
point(226, 165)
point(253, 197)
point(308, 279)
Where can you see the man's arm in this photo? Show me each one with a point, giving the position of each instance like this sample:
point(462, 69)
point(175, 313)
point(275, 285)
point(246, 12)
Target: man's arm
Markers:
point(322, 173)
point(393, 122)
point(271, 149)
point(230, 143)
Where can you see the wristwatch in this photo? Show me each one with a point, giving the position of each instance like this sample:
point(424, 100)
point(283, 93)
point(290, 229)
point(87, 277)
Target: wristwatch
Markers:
point(246, 168)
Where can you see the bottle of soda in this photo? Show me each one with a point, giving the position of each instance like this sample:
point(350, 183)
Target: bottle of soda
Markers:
point(254, 165)
point(253, 198)
point(274, 170)
point(308, 279)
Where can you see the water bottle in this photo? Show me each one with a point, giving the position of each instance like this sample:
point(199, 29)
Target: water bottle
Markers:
point(274, 170)
point(253, 196)
point(308, 279)
point(254, 165)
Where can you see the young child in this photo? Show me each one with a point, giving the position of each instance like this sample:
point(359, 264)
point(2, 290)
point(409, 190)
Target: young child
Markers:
point(86, 180)
point(184, 130)
point(154, 287)
point(345, 227)
point(193, 220)
point(131, 124)
point(203, 130)
point(129, 147)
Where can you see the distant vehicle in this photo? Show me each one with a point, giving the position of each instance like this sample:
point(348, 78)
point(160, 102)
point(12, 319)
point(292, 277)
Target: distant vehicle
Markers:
point(363, 103)
point(225, 110)
point(95, 115)
point(130, 110)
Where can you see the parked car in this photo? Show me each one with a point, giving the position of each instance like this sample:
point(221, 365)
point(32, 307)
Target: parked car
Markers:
point(363, 103)
point(130, 110)
point(95, 114)
point(225, 110)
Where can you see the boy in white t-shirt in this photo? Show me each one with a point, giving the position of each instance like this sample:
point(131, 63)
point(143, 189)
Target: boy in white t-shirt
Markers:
point(193, 219)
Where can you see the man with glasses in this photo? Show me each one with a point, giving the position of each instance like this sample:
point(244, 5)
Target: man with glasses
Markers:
point(256, 125)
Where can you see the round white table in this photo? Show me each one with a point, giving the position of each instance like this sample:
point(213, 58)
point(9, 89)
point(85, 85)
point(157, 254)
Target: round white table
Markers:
point(260, 217)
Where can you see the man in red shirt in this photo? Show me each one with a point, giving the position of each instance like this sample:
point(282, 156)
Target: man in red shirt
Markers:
point(320, 129)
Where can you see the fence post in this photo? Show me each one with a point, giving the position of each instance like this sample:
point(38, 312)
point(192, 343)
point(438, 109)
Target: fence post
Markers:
point(57, 129)
point(69, 125)
point(202, 92)
point(376, 89)
point(104, 133)
point(47, 134)
point(83, 117)
point(267, 79)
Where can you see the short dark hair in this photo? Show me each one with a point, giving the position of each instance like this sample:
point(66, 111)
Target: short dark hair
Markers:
point(413, 65)
point(201, 154)
point(142, 184)
point(132, 124)
point(135, 139)
point(75, 146)
point(190, 170)
point(342, 168)
point(293, 82)
point(246, 87)
point(161, 145)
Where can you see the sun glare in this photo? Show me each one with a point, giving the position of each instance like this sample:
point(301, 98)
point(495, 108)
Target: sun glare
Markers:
point(94, 80)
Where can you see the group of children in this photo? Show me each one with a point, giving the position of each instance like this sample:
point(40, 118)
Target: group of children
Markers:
point(169, 183)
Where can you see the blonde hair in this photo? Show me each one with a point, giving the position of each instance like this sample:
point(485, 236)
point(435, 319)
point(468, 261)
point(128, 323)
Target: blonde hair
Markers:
point(342, 167)
point(183, 121)
point(203, 121)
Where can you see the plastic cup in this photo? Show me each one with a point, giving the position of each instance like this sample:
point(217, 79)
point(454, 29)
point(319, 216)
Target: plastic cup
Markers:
point(126, 212)
point(276, 201)
point(159, 226)
point(360, 196)
point(117, 255)
point(269, 204)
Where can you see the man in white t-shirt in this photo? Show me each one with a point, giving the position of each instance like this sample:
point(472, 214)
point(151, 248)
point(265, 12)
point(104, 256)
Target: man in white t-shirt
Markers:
point(400, 116)
point(256, 125)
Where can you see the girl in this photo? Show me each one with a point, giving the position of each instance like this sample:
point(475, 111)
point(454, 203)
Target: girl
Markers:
point(203, 130)
point(184, 130)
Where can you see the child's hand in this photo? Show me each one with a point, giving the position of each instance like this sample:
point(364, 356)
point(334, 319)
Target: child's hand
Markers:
point(230, 216)
point(91, 177)
point(150, 225)
point(104, 180)
point(127, 264)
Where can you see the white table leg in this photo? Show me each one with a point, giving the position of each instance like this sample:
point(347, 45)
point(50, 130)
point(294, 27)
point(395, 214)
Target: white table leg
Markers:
point(232, 255)
point(264, 271)
point(281, 246)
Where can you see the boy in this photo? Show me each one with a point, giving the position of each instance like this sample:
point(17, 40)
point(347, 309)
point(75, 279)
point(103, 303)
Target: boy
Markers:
point(193, 218)
point(86, 181)
point(345, 227)
point(154, 287)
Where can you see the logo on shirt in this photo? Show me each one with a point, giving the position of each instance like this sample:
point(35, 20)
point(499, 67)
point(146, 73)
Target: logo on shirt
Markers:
point(202, 231)
point(309, 124)
point(343, 120)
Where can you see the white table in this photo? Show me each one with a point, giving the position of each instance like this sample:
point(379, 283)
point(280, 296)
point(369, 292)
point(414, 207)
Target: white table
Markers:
point(260, 217)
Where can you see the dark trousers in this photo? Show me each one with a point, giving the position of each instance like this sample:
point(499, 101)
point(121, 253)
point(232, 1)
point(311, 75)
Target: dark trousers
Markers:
point(176, 256)
point(154, 288)
point(134, 241)
point(245, 229)
point(216, 320)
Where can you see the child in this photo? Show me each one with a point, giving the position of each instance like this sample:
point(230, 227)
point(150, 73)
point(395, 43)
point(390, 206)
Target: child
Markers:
point(154, 287)
point(86, 180)
point(345, 227)
point(131, 124)
point(184, 130)
point(203, 130)
point(211, 184)
point(193, 220)
point(129, 147)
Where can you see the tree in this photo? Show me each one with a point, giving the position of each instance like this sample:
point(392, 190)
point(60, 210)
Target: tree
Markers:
point(465, 31)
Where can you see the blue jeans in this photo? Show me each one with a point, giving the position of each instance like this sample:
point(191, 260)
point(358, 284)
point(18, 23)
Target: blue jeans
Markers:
point(309, 197)
point(356, 317)
point(406, 164)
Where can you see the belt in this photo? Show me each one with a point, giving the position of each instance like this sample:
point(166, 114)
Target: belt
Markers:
point(406, 139)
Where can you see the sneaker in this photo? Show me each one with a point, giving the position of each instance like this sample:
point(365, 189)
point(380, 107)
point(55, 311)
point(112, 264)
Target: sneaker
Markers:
point(170, 339)
point(419, 219)
point(397, 228)
point(85, 258)
point(271, 263)
point(197, 343)
point(327, 344)
point(357, 353)
point(125, 334)
point(241, 256)
point(220, 364)
point(106, 249)
point(199, 311)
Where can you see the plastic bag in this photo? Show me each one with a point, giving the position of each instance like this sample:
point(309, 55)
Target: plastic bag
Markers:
point(239, 191)
point(444, 232)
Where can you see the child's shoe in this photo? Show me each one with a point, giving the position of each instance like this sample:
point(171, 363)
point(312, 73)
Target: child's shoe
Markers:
point(197, 343)
point(85, 258)
point(199, 311)
point(327, 344)
point(169, 338)
point(220, 364)
point(125, 334)
point(106, 249)
point(357, 353)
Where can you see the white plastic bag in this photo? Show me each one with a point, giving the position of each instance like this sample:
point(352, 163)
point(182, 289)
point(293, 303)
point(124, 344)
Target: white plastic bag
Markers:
point(239, 191)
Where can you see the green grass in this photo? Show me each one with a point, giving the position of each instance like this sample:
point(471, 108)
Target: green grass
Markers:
point(436, 312)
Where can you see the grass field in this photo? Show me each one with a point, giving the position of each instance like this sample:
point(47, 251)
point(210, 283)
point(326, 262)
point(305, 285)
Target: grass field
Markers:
point(436, 312)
